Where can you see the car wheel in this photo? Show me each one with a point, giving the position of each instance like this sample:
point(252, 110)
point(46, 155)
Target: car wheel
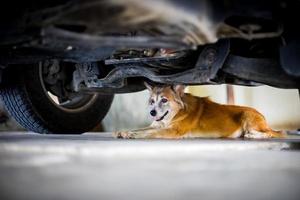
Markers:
point(45, 105)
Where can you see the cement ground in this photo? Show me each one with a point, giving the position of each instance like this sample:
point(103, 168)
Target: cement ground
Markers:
point(97, 166)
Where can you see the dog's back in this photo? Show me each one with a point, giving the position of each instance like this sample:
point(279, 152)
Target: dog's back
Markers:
point(205, 118)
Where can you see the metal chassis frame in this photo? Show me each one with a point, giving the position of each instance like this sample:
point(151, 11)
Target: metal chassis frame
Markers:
point(212, 60)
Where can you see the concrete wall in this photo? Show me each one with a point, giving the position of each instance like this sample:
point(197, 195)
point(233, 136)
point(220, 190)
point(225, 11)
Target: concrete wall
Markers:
point(128, 111)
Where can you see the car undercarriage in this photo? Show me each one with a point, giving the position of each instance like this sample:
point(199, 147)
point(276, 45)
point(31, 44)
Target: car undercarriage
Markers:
point(162, 41)
point(80, 48)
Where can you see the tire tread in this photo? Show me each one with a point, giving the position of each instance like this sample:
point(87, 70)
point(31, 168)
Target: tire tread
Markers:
point(19, 107)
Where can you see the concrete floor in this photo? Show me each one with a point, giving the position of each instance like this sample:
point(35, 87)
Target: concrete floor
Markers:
point(96, 166)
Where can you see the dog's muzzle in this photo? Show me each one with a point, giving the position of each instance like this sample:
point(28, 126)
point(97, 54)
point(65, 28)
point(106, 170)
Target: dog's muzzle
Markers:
point(162, 117)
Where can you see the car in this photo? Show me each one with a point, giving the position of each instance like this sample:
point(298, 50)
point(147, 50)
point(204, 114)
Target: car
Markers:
point(62, 61)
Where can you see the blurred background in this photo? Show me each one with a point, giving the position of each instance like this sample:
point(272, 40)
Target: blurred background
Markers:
point(129, 111)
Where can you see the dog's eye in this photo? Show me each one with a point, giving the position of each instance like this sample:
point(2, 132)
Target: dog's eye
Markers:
point(164, 100)
point(151, 102)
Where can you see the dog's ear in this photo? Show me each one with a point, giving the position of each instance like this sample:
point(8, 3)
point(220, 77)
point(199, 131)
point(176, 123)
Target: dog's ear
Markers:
point(148, 86)
point(179, 89)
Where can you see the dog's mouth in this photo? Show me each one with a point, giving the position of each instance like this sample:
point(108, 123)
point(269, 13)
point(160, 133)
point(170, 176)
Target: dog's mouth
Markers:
point(162, 117)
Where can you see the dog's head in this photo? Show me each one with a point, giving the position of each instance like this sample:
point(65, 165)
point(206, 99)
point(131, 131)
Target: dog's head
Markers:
point(165, 101)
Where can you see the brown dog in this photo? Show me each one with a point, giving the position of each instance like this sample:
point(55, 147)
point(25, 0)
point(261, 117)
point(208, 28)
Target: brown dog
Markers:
point(180, 115)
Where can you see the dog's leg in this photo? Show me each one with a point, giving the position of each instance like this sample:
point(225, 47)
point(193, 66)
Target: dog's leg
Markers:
point(166, 133)
point(129, 134)
point(254, 134)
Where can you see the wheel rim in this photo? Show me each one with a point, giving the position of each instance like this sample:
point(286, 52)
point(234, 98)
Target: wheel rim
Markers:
point(76, 102)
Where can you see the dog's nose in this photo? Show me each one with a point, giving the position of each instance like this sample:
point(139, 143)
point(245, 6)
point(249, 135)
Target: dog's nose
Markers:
point(153, 113)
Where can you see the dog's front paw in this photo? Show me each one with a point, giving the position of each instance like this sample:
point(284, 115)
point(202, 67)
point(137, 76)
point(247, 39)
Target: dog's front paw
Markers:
point(124, 134)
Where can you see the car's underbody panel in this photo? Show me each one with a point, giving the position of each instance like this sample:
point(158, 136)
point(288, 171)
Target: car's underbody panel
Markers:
point(166, 42)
